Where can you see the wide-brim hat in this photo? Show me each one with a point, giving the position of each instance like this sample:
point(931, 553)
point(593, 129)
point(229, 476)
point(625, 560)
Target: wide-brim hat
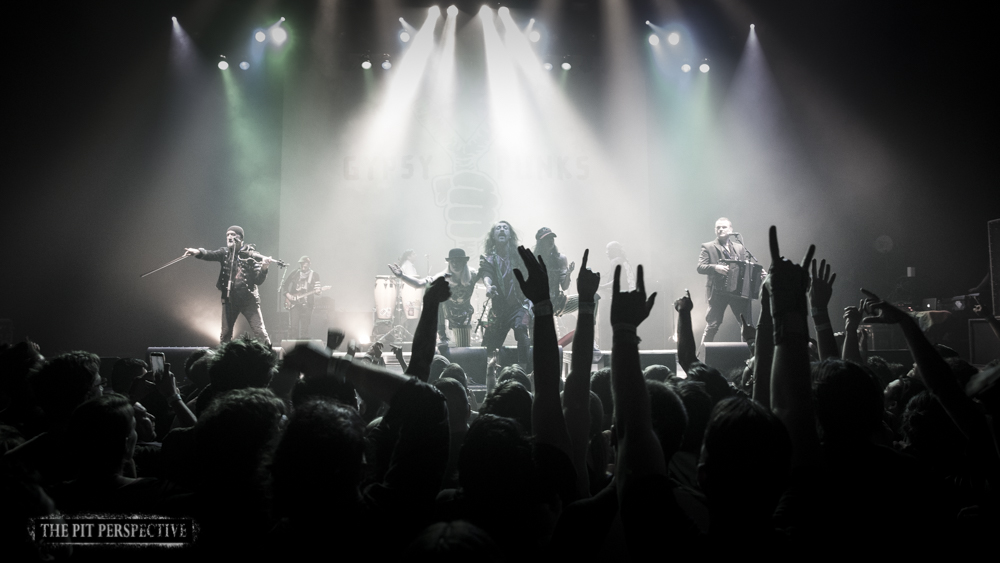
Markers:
point(304, 259)
point(457, 254)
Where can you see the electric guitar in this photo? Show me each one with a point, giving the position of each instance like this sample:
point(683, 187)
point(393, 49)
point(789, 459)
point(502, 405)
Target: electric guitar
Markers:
point(291, 301)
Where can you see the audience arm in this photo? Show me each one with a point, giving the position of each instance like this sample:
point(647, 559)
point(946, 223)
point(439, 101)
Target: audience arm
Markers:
point(576, 394)
point(425, 336)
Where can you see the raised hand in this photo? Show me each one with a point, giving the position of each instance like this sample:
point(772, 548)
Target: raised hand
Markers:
point(787, 282)
point(165, 381)
point(536, 287)
point(588, 281)
point(882, 312)
point(684, 303)
point(438, 292)
point(395, 269)
point(630, 307)
point(821, 288)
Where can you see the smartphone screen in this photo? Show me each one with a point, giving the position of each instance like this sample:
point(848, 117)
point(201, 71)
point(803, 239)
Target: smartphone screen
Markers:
point(156, 362)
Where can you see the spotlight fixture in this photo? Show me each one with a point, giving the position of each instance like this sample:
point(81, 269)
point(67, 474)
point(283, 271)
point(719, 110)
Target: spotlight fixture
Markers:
point(547, 66)
point(223, 65)
point(260, 36)
point(654, 39)
point(535, 36)
point(279, 35)
point(386, 65)
point(366, 64)
point(674, 38)
point(685, 68)
point(647, 22)
point(751, 25)
point(566, 66)
point(244, 65)
point(504, 11)
point(404, 36)
point(452, 10)
point(703, 68)
point(174, 18)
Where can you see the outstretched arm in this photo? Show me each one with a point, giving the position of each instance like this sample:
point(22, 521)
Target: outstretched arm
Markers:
point(820, 291)
point(763, 351)
point(791, 387)
point(686, 348)
point(425, 336)
point(852, 320)
point(576, 394)
point(639, 450)
point(546, 411)
point(409, 280)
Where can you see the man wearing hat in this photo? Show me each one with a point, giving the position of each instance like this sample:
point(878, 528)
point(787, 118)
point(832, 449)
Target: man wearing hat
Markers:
point(301, 289)
point(239, 283)
point(458, 308)
point(559, 271)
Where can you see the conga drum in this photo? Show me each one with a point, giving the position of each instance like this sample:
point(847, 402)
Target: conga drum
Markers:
point(413, 298)
point(385, 297)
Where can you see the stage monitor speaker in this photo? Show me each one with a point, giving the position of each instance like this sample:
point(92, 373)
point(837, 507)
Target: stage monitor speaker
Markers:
point(902, 357)
point(984, 347)
point(473, 361)
point(726, 356)
point(993, 227)
point(658, 357)
point(508, 356)
point(175, 356)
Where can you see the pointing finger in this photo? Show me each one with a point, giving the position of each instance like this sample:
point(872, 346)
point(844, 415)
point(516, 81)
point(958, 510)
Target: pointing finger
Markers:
point(772, 239)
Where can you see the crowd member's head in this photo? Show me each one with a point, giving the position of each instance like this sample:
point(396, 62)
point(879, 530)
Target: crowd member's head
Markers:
point(670, 420)
point(196, 366)
point(125, 372)
point(103, 435)
point(65, 382)
point(881, 369)
point(745, 443)
point(848, 401)
point(317, 465)
point(437, 366)
point(517, 374)
point(510, 399)
point(458, 403)
point(698, 405)
point(897, 395)
point(235, 435)
point(457, 542)
point(455, 371)
point(715, 383)
point(241, 363)
point(962, 370)
point(600, 384)
point(930, 433)
point(495, 464)
point(657, 372)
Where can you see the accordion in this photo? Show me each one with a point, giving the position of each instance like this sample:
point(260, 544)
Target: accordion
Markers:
point(743, 279)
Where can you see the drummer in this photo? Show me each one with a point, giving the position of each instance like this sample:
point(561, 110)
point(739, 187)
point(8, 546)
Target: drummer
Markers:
point(458, 309)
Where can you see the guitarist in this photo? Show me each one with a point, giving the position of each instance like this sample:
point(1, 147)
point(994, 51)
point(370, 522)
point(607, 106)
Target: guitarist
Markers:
point(301, 289)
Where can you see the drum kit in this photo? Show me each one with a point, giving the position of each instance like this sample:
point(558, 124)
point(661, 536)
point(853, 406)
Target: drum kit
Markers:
point(395, 303)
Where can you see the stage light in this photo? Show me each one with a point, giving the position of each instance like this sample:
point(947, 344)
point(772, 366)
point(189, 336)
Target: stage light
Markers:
point(244, 65)
point(647, 22)
point(703, 68)
point(279, 35)
point(566, 66)
point(452, 10)
point(535, 36)
point(366, 64)
point(504, 11)
point(685, 68)
point(282, 18)
point(404, 36)
point(674, 38)
point(547, 66)
point(751, 25)
point(223, 65)
point(654, 39)
point(260, 36)
point(386, 64)
point(174, 18)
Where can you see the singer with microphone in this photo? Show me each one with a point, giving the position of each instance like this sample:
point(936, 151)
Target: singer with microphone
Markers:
point(710, 263)
point(243, 269)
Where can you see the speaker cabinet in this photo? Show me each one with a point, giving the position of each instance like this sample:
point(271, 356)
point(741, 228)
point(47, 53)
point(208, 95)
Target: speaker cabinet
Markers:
point(726, 356)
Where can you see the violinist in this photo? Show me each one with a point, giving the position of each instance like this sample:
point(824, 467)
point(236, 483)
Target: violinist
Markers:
point(243, 269)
